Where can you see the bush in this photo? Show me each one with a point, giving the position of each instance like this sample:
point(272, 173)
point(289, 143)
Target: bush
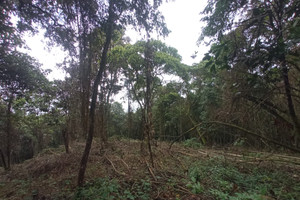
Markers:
point(192, 142)
point(111, 189)
point(225, 181)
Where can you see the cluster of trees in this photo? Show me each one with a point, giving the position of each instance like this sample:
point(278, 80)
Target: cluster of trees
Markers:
point(246, 90)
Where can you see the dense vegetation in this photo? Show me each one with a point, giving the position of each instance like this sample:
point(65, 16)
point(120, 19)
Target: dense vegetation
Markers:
point(245, 93)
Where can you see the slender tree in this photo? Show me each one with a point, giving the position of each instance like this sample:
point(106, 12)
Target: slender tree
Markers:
point(147, 62)
point(117, 11)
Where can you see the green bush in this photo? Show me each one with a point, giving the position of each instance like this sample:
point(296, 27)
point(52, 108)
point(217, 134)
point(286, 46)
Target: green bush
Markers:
point(101, 189)
point(225, 181)
point(192, 142)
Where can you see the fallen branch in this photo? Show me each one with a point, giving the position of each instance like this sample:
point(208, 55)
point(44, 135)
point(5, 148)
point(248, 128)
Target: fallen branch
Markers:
point(187, 154)
point(178, 160)
point(125, 164)
point(184, 190)
point(112, 164)
point(151, 172)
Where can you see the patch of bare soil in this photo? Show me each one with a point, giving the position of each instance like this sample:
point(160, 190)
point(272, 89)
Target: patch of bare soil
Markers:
point(53, 174)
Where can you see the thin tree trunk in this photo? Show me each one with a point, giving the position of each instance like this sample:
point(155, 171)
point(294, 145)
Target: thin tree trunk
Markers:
point(102, 122)
point(129, 119)
point(8, 133)
point(3, 159)
point(85, 70)
point(148, 101)
point(281, 48)
point(66, 139)
point(290, 103)
point(90, 135)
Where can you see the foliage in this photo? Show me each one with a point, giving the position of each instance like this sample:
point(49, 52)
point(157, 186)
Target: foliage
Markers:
point(192, 142)
point(116, 121)
point(111, 189)
point(207, 173)
point(227, 181)
point(100, 189)
point(254, 45)
point(163, 59)
point(195, 184)
point(169, 111)
point(19, 72)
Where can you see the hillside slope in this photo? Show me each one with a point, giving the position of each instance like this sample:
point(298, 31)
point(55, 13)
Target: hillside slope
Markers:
point(121, 171)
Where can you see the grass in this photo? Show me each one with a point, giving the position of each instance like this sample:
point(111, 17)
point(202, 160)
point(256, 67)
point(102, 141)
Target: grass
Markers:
point(184, 172)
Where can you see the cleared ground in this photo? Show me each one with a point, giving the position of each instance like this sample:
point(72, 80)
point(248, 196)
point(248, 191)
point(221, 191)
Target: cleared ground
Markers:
point(185, 171)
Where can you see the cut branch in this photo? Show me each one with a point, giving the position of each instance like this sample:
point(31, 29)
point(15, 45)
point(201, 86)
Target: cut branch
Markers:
point(112, 164)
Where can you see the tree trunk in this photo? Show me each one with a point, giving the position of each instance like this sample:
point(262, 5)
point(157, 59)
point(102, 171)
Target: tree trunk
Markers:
point(287, 86)
point(66, 139)
point(291, 107)
point(102, 124)
point(8, 133)
point(129, 119)
point(149, 126)
point(90, 134)
point(85, 70)
point(3, 159)
point(281, 48)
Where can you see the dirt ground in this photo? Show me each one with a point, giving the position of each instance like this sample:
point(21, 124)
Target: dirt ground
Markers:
point(52, 174)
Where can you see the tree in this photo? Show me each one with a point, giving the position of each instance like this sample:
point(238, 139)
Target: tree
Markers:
point(59, 17)
point(170, 111)
point(147, 62)
point(261, 37)
point(116, 120)
point(110, 84)
point(145, 16)
point(19, 73)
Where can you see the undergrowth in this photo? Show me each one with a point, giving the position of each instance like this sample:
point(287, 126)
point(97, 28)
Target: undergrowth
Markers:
point(184, 172)
point(192, 142)
point(208, 178)
point(226, 181)
point(104, 188)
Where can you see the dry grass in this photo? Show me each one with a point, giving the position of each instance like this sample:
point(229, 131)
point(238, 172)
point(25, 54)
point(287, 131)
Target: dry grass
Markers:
point(53, 174)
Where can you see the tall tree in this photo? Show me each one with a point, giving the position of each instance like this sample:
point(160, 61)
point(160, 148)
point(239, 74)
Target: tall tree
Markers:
point(267, 29)
point(147, 62)
point(59, 18)
point(19, 73)
point(119, 13)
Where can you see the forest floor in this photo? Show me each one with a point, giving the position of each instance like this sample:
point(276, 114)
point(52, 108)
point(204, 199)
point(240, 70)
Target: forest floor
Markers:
point(185, 171)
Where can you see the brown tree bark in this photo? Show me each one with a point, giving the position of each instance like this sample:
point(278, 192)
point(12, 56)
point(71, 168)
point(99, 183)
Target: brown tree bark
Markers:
point(90, 134)
point(85, 69)
point(148, 126)
point(8, 133)
point(3, 159)
point(66, 139)
point(281, 49)
point(290, 103)
point(129, 119)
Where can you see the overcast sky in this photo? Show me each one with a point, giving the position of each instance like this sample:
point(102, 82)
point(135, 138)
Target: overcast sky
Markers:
point(182, 18)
